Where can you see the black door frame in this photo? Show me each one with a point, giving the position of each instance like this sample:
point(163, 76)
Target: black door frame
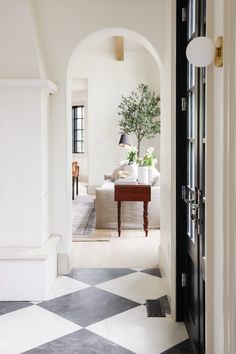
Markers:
point(181, 129)
point(192, 312)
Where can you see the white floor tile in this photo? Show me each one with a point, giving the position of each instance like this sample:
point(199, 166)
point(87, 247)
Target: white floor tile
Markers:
point(131, 250)
point(65, 285)
point(30, 327)
point(141, 334)
point(136, 286)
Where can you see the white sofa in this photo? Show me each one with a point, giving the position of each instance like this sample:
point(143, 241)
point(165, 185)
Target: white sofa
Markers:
point(131, 212)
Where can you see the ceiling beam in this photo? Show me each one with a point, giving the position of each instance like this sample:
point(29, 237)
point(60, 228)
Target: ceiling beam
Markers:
point(119, 48)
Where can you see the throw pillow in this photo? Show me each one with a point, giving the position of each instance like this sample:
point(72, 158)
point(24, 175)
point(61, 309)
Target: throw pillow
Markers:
point(153, 176)
point(132, 170)
point(118, 170)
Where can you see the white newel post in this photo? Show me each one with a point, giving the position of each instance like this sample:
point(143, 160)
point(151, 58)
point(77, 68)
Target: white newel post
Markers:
point(28, 257)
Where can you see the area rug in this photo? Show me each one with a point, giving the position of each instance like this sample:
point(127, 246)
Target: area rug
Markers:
point(84, 220)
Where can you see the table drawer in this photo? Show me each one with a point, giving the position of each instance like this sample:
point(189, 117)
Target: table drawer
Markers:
point(135, 193)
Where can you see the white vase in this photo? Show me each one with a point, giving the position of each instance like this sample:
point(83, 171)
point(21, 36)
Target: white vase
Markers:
point(143, 174)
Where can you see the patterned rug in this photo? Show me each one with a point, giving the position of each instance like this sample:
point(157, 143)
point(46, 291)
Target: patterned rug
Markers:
point(83, 220)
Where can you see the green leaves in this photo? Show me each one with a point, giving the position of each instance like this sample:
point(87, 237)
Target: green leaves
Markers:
point(139, 112)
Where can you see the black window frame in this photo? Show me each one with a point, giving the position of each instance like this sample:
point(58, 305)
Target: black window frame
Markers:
point(78, 129)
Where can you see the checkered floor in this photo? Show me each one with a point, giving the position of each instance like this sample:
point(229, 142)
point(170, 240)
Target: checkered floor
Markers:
point(90, 311)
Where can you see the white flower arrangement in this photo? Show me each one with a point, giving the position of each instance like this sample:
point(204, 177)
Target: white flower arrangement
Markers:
point(149, 159)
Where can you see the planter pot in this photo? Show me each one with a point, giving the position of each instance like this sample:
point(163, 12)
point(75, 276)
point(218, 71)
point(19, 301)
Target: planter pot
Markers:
point(143, 174)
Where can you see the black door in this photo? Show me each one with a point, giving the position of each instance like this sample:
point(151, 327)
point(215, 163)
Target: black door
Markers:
point(191, 23)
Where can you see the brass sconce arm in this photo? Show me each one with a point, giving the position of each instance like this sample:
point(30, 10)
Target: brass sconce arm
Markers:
point(219, 52)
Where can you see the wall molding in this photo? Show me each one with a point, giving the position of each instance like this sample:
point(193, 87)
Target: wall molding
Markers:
point(29, 83)
point(30, 271)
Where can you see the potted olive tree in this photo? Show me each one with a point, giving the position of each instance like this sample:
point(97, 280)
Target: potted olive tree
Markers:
point(139, 114)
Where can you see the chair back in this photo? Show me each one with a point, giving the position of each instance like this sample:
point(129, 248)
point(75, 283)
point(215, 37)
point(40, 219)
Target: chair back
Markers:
point(75, 169)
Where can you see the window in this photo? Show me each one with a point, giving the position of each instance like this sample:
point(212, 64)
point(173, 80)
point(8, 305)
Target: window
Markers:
point(78, 129)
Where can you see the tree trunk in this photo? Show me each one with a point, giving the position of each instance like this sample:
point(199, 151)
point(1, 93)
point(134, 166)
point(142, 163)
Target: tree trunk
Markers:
point(139, 141)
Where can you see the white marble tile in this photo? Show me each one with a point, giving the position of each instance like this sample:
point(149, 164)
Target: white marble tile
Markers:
point(30, 327)
point(65, 285)
point(141, 334)
point(131, 250)
point(136, 286)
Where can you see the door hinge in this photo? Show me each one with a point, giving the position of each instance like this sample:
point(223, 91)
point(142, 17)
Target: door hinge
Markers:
point(183, 104)
point(184, 14)
point(184, 280)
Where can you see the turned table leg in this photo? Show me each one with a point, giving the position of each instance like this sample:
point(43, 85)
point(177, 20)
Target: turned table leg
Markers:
point(119, 221)
point(73, 190)
point(145, 217)
point(77, 185)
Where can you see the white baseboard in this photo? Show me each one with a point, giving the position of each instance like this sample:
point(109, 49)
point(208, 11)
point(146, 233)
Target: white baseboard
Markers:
point(27, 274)
point(165, 272)
point(64, 263)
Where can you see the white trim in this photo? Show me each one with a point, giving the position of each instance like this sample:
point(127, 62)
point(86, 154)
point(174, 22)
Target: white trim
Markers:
point(31, 83)
point(164, 270)
point(229, 176)
point(64, 263)
point(209, 195)
point(26, 253)
point(27, 274)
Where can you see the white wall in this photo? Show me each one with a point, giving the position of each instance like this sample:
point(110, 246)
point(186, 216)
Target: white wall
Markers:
point(108, 80)
point(24, 189)
point(19, 39)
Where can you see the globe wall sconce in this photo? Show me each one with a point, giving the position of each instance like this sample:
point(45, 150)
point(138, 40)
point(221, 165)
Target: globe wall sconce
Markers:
point(201, 52)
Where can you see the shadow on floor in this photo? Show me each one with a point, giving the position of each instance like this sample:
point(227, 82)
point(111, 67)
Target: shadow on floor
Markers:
point(184, 347)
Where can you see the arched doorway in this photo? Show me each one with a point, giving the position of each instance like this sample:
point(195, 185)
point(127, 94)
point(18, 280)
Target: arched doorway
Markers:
point(74, 60)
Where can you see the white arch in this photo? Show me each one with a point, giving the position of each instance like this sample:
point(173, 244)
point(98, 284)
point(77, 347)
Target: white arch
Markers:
point(110, 32)
point(100, 34)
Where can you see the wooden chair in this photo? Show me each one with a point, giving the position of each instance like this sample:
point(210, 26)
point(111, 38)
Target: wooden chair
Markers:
point(75, 179)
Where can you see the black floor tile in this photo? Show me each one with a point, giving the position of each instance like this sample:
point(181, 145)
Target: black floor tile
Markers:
point(181, 348)
point(95, 276)
point(80, 342)
point(153, 271)
point(10, 306)
point(87, 306)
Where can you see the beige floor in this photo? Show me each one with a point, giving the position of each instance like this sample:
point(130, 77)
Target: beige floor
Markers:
point(132, 250)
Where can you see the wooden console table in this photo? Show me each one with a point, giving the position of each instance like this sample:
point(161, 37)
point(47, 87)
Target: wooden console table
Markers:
point(133, 193)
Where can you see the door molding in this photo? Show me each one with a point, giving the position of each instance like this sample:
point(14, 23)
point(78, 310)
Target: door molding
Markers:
point(229, 176)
